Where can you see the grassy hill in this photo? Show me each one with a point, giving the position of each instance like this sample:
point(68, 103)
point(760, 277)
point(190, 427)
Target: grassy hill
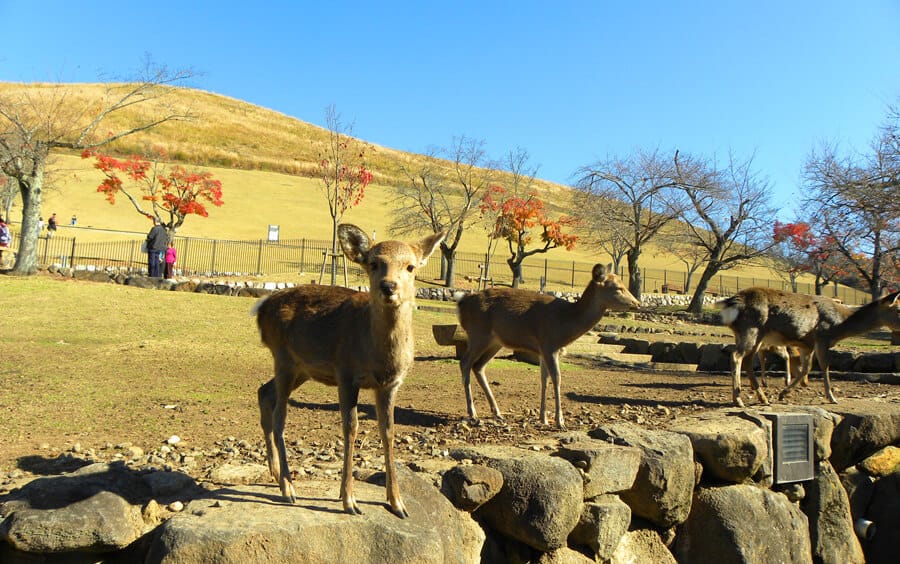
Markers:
point(264, 160)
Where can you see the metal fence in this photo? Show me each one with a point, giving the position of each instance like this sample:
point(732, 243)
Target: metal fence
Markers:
point(218, 257)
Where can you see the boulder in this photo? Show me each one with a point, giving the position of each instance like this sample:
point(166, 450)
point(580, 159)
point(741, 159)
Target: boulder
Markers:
point(606, 468)
point(865, 428)
point(642, 545)
point(102, 522)
point(883, 463)
point(470, 486)
point(250, 473)
point(884, 513)
point(252, 523)
point(665, 481)
point(743, 523)
point(830, 523)
point(730, 446)
point(541, 499)
point(603, 523)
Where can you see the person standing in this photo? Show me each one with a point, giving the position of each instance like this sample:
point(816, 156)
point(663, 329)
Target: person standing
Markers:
point(171, 257)
point(51, 226)
point(157, 239)
point(5, 239)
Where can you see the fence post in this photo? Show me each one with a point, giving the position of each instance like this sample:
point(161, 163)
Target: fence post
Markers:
point(212, 268)
point(72, 256)
point(259, 258)
point(303, 254)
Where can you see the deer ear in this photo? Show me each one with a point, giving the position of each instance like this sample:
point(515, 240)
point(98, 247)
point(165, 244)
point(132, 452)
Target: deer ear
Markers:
point(427, 246)
point(354, 242)
point(598, 273)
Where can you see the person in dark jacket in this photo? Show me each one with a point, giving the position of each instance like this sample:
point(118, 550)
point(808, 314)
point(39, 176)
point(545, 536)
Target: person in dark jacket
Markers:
point(157, 241)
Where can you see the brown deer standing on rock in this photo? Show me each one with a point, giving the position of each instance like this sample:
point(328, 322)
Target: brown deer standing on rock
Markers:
point(347, 339)
point(763, 317)
point(526, 320)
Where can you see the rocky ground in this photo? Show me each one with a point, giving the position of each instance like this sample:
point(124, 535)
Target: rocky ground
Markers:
point(430, 419)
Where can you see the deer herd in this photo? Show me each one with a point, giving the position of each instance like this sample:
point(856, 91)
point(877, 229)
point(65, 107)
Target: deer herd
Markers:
point(355, 340)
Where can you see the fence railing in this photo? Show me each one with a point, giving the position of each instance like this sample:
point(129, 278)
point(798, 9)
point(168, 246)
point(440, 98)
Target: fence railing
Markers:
point(218, 257)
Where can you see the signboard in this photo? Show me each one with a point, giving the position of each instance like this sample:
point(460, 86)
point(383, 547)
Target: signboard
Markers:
point(273, 233)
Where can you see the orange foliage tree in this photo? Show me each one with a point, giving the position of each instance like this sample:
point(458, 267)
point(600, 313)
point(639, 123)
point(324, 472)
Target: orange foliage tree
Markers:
point(168, 193)
point(522, 222)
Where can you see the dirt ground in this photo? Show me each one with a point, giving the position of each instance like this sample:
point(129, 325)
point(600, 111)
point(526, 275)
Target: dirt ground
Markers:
point(430, 417)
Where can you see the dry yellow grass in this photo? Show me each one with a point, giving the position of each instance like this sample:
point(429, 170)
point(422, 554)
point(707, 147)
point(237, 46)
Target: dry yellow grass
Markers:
point(264, 159)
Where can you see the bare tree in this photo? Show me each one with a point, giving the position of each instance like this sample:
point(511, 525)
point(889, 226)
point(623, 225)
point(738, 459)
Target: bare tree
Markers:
point(342, 169)
point(601, 226)
point(645, 183)
point(857, 201)
point(678, 239)
point(36, 121)
point(444, 198)
point(729, 215)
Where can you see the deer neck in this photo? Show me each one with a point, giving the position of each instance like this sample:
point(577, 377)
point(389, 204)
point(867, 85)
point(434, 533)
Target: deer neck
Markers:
point(586, 312)
point(392, 332)
point(855, 322)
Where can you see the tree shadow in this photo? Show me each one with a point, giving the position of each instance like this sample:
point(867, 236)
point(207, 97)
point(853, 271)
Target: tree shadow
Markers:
point(402, 415)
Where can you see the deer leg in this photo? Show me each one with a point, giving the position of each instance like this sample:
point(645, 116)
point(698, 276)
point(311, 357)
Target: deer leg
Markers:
point(283, 389)
point(822, 353)
point(384, 408)
point(480, 363)
point(266, 397)
point(348, 399)
point(755, 384)
point(550, 366)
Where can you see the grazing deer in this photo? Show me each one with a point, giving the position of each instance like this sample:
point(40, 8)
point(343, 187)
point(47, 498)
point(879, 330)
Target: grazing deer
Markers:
point(347, 339)
point(883, 312)
point(526, 320)
point(763, 317)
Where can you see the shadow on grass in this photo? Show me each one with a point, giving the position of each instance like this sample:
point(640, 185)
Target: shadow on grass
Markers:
point(402, 415)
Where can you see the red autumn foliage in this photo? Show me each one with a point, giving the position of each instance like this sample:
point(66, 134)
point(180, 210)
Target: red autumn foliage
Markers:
point(172, 192)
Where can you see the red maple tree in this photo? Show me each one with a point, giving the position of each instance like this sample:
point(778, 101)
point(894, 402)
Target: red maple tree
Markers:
point(168, 193)
point(523, 221)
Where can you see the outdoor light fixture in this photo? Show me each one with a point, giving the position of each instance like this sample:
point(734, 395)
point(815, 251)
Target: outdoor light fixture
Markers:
point(792, 447)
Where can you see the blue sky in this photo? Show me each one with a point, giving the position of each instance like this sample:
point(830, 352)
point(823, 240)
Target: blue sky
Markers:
point(569, 81)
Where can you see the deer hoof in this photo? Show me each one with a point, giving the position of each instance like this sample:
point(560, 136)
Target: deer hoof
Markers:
point(351, 507)
point(399, 509)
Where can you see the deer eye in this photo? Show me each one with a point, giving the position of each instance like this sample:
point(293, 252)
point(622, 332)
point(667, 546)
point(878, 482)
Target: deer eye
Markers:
point(410, 267)
point(373, 266)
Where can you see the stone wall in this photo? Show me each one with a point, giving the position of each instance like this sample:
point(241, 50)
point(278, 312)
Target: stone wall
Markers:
point(701, 490)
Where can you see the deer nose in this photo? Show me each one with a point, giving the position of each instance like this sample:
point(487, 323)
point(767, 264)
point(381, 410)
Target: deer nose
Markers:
point(388, 288)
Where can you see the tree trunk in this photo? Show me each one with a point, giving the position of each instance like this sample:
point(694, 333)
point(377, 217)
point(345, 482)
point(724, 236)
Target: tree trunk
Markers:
point(635, 283)
point(31, 189)
point(448, 254)
point(515, 266)
point(696, 305)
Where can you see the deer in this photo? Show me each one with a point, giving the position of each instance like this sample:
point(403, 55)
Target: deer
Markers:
point(883, 312)
point(764, 318)
point(526, 320)
point(348, 339)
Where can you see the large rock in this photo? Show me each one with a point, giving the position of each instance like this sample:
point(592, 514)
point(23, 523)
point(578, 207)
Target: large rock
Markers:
point(642, 545)
point(602, 525)
point(665, 481)
point(607, 468)
point(470, 486)
point(541, 499)
point(730, 446)
point(103, 522)
point(883, 511)
point(96, 508)
point(830, 523)
point(743, 524)
point(866, 427)
point(253, 524)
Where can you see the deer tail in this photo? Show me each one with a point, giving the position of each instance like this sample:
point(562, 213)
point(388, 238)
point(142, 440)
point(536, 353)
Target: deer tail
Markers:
point(731, 308)
point(254, 310)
